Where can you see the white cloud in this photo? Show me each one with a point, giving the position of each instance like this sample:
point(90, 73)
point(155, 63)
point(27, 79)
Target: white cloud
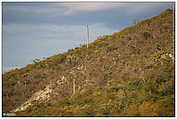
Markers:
point(66, 9)
point(6, 69)
point(91, 6)
point(87, 6)
point(131, 8)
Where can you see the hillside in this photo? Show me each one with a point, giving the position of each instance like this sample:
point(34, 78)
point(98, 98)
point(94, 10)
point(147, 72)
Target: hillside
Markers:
point(128, 73)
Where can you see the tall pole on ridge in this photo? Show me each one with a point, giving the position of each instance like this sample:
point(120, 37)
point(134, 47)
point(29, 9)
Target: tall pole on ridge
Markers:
point(87, 35)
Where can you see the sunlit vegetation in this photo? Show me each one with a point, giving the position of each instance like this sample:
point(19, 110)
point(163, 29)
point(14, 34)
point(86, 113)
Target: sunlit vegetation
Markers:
point(128, 73)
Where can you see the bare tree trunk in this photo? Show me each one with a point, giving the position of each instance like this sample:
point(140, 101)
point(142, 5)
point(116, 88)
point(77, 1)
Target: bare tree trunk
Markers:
point(74, 86)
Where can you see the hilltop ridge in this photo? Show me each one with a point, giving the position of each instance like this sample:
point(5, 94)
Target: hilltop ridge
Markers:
point(128, 73)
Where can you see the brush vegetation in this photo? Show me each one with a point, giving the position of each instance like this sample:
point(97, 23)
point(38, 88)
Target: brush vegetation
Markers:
point(128, 73)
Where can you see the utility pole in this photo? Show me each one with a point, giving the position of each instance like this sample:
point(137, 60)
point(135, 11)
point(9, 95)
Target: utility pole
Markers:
point(87, 35)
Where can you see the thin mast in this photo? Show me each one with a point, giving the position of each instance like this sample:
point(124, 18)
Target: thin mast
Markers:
point(87, 35)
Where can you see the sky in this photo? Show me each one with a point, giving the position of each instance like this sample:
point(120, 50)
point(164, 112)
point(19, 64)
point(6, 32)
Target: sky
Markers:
point(42, 29)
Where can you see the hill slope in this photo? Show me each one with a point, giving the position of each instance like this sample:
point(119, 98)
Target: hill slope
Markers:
point(128, 73)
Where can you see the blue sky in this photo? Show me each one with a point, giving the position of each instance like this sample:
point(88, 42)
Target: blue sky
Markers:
point(37, 30)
